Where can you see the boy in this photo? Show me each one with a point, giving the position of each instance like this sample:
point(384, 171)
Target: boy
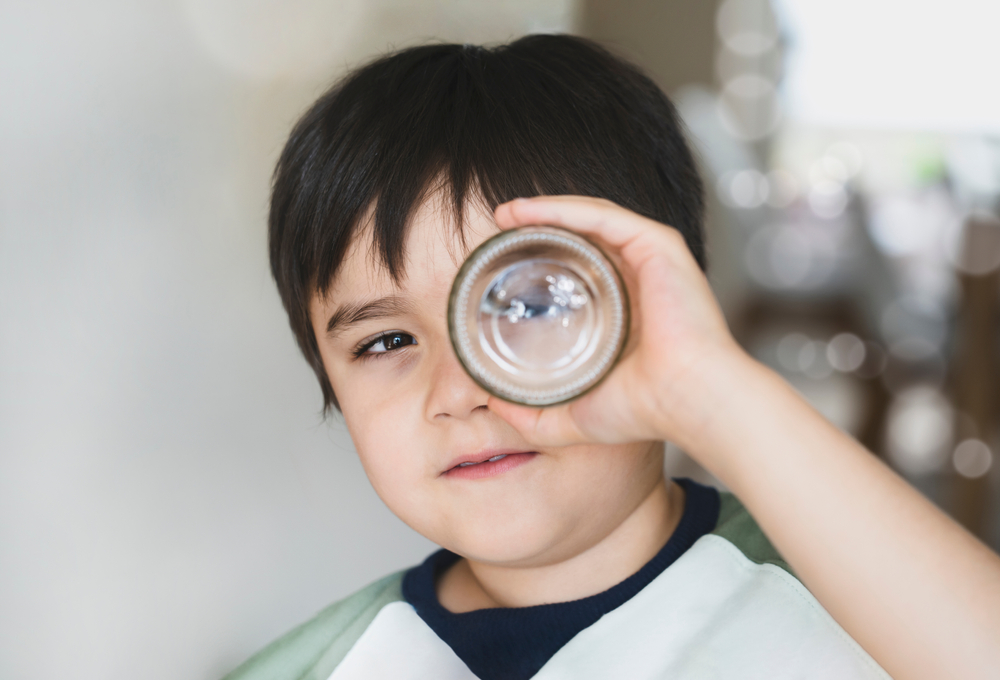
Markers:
point(566, 553)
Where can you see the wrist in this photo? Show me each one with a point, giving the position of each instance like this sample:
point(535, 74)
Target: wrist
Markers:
point(714, 395)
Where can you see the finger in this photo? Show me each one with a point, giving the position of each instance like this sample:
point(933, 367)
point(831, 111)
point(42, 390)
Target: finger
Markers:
point(637, 238)
point(615, 225)
point(551, 426)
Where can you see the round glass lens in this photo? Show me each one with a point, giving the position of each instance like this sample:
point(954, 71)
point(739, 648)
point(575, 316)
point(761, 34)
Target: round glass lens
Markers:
point(538, 315)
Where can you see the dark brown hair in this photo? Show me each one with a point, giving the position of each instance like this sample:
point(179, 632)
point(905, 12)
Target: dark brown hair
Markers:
point(546, 114)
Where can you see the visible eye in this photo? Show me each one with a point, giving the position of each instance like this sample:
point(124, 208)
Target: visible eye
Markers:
point(383, 343)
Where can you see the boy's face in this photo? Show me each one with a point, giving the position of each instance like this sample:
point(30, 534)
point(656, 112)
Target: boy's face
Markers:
point(413, 412)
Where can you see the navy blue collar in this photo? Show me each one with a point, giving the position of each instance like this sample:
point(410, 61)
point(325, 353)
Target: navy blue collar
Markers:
point(514, 643)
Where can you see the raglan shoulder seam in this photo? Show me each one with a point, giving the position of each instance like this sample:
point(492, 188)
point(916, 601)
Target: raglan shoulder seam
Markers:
point(296, 654)
point(739, 528)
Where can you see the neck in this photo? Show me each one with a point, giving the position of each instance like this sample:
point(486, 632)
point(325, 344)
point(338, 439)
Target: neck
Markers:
point(469, 585)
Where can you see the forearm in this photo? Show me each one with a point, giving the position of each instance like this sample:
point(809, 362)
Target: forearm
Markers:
point(912, 587)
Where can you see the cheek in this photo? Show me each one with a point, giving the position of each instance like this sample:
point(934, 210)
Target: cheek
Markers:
point(394, 451)
point(609, 478)
point(380, 438)
point(381, 419)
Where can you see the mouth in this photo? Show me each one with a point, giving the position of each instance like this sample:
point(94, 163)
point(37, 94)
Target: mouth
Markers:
point(487, 464)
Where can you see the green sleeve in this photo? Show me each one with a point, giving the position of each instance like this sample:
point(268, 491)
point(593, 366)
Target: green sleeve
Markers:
point(739, 528)
point(313, 650)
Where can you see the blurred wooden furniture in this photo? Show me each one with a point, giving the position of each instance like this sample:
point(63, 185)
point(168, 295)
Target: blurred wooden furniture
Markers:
point(976, 376)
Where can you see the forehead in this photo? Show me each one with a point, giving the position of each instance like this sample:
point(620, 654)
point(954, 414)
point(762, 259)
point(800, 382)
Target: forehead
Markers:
point(435, 247)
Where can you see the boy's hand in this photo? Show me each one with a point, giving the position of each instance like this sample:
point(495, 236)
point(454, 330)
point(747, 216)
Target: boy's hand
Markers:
point(863, 541)
point(679, 336)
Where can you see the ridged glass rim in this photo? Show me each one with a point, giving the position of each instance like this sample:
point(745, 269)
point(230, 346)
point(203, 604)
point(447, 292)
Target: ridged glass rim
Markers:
point(487, 252)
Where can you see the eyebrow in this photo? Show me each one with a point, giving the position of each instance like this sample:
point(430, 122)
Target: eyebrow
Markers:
point(356, 312)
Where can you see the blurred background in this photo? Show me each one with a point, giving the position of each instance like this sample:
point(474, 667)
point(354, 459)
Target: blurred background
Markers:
point(171, 500)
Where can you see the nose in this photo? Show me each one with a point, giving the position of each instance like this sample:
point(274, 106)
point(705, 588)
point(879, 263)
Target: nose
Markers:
point(453, 394)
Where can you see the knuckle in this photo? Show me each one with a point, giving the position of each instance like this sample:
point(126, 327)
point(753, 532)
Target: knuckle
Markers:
point(674, 239)
point(605, 205)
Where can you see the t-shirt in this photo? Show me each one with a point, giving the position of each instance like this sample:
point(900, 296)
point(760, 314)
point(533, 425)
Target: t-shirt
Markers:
point(716, 602)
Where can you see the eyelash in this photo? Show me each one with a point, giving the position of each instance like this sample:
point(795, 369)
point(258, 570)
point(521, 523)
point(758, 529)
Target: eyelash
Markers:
point(361, 351)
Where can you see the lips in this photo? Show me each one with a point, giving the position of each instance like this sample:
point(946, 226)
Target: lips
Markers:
point(487, 464)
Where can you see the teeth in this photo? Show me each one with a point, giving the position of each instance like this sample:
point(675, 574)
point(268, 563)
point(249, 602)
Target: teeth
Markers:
point(494, 458)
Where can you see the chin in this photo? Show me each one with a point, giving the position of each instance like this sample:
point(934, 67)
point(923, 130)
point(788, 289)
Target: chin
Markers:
point(510, 543)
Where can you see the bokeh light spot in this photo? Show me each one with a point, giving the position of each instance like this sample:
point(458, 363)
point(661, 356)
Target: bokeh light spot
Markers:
point(828, 199)
point(789, 349)
point(747, 27)
point(743, 189)
point(972, 458)
point(908, 223)
point(919, 430)
point(846, 352)
point(749, 107)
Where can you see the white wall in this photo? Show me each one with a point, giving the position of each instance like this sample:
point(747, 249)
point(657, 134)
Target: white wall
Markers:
point(909, 64)
point(169, 498)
